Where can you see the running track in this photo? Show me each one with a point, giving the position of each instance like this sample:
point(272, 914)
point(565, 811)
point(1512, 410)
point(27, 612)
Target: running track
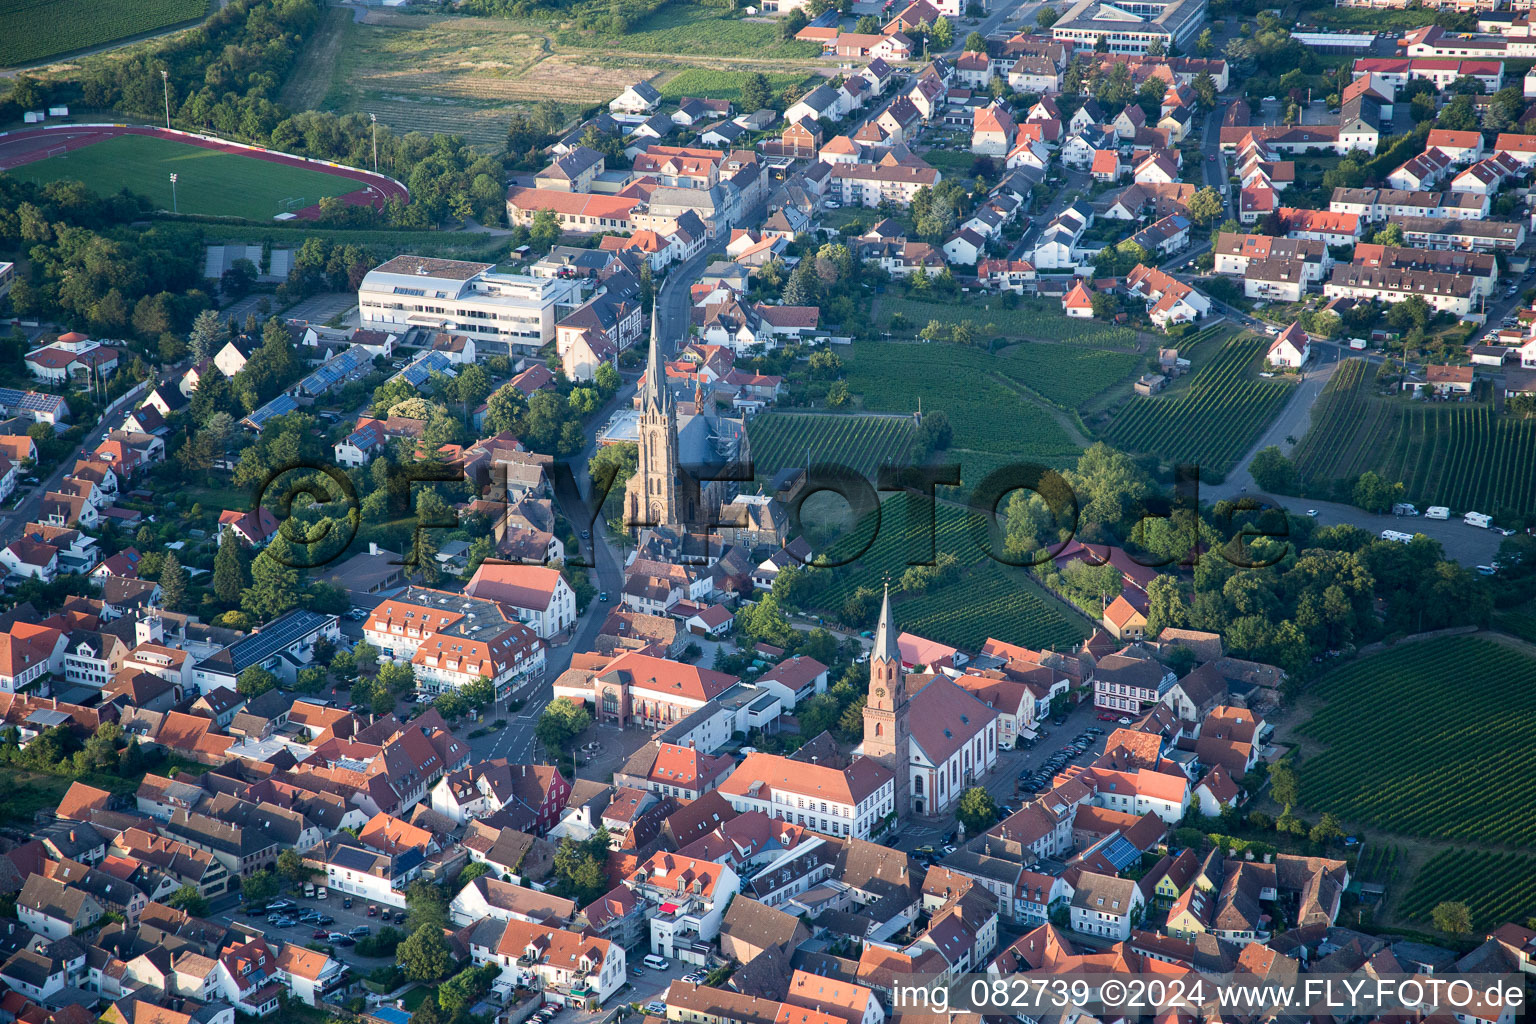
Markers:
point(30, 145)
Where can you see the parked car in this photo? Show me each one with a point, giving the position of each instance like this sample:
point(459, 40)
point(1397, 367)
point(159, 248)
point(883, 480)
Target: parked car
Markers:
point(373, 911)
point(320, 935)
point(1125, 721)
point(347, 902)
point(360, 931)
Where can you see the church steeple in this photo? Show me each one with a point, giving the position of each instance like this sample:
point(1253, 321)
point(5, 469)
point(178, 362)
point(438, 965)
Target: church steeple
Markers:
point(656, 392)
point(887, 731)
point(886, 648)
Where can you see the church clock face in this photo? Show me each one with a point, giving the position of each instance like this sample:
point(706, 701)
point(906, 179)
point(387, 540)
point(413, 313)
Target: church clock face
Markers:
point(879, 691)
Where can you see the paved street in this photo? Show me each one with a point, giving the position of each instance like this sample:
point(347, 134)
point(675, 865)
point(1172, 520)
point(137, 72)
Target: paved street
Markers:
point(26, 509)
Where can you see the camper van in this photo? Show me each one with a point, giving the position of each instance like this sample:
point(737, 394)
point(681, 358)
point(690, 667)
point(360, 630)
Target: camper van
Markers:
point(1437, 512)
point(1477, 519)
point(1402, 508)
point(1397, 535)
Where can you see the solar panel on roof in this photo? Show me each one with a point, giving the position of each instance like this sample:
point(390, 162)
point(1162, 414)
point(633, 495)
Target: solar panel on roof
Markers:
point(273, 638)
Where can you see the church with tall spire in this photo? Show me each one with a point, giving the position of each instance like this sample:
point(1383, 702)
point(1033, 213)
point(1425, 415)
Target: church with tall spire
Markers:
point(887, 729)
point(657, 494)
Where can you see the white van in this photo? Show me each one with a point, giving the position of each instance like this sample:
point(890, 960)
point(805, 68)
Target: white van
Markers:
point(1437, 512)
point(656, 963)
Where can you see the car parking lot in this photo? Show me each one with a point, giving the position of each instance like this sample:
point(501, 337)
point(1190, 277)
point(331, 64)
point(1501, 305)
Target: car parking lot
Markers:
point(647, 985)
point(286, 923)
point(1082, 748)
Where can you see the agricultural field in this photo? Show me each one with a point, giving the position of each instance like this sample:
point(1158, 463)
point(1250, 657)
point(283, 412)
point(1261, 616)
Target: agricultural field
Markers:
point(1029, 318)
point(1214, 419)
point(985, 599)
point(1433, 739)
point(456, 75)
point(1459, 454)
point(1068, 375)
point(1380, 863)
point(1496, 887)
point(38, 29)
point(992, 423)
point(694, 31)
point(210, 182)
point(719, 85)
point(862, 443)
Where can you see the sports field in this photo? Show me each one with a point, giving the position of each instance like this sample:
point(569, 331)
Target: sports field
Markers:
point(209, 182)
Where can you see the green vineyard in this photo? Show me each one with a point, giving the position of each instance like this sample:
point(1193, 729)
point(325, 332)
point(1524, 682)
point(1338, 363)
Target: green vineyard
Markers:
point(1040, 319)
point(1459, 454)
point(1215, 420)
point(985, 599)
point(1068, 375)
point(1433, 739)
point(35, 30)
point(993, 424)
point(1496, 887)
point(862, 443)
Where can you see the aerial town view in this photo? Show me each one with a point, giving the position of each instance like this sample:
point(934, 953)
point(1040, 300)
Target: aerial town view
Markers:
point(767, 511)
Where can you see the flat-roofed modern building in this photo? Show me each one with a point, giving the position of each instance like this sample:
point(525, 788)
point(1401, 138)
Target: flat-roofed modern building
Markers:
point(472, 299)
point(1132, 26)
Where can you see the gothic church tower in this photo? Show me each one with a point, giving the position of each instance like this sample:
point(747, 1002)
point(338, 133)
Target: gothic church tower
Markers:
point(887, 734)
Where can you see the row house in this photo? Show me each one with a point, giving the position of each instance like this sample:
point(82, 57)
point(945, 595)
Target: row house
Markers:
point(1452, 293)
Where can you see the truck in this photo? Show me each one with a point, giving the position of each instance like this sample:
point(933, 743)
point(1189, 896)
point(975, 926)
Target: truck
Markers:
point(1357, 343)
point(1478, 519)
point(1397, 535)
point(1402, 508)
point(1437, 512)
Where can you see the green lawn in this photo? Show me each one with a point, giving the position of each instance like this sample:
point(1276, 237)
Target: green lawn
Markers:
point(720, 85)
point(36, 29)
point(209, 182)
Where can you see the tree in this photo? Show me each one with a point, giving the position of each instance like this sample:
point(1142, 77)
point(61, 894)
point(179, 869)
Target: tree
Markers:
point(1157, 48)
point(976, 43)
point(1452, 917)
point(1283, 784)
point(254, 681)
point(1327, 829)
point(173, 583)
point(942, 35)
point(260, 887)
point(1205, 205)
point(977, 810)
point(425, 955)
point(935, 434)
point(1272, 471)
point(275, 586)
point(1204, 44)
point(207, 335)
point(1392, 234)
point(291, 866)
point(479, 692)
point(189, 899)
point(818, 715)
point(1046, 16)
point(765, 622)
point(562, 721)
point(1109, 484)
point(1104, 305)
point(580, 868)
point(428, 906)
point(755, 92)
point(1374, 494)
